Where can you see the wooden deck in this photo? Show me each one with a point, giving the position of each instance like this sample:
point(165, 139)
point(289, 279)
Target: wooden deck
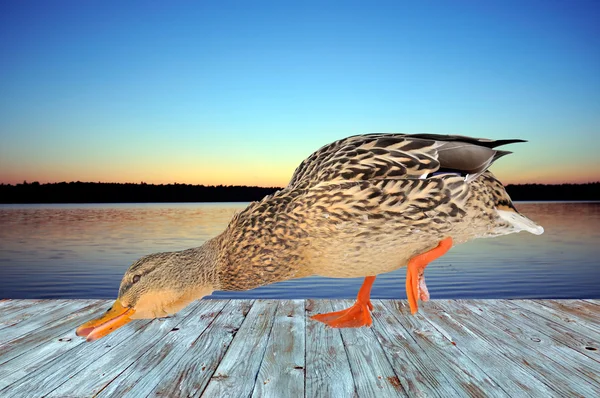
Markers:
point(270, 348)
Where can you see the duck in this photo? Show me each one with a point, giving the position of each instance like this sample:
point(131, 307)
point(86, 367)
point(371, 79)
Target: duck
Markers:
point(357, 207)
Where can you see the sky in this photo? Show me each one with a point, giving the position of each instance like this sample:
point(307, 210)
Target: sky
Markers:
point(219, 92)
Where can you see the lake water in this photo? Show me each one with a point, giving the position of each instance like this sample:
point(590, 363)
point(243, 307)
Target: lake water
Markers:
point(82, 251)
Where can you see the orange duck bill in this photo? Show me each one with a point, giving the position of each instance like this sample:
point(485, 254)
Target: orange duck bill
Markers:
point(113, 319)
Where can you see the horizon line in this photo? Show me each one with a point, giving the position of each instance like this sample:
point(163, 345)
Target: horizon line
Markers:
point(25, 182)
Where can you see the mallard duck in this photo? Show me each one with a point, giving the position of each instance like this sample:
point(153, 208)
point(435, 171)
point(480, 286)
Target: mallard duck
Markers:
point(358, 207)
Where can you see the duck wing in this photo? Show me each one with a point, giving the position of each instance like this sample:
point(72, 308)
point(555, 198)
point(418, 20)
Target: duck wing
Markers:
point(398, 156)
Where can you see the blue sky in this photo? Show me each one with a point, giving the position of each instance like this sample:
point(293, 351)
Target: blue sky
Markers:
point(241, 92)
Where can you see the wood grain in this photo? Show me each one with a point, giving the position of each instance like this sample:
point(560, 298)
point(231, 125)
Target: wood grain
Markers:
point(8, 306)
point(191, 374)
point(372, 373)
point(584, 313)
point(281, 372)
point(262, 348)
point(42, 319)
point(28, 353)
point(328, 371)
point(440, 345)
point(563, 338)
point(118, 372)
point(13, 320)
point(236, 374)
point(420, 374)
point(515, 348)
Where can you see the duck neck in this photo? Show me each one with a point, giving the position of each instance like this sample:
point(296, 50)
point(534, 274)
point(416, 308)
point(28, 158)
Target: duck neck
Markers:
point(201, 265)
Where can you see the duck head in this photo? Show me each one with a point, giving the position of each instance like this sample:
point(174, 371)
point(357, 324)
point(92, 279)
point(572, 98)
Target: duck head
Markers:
point(156, 286)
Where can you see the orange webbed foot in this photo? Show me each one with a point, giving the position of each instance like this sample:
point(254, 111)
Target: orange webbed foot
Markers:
point(356, 316)
point(415, 279)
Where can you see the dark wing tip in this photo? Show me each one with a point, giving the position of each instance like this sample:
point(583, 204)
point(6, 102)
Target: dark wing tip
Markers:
point(470, 140)
point(499, 154)
point(506, 142)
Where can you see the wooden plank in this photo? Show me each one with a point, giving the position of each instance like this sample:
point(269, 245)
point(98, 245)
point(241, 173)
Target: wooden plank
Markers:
point(236, 374)
point(373, 375)
point(18, 305)
point(9, 305)
point(190, 375)
point(559, 316)
point(134, 337)
point(419, 374)
point(29, 352)
point(327, 369)
point(12, 319)
point(40, 319)
point(497, 352)
point(539, 338)
point(521, 355)
point(585, 314)
point(456, 362)
point(511, 380)
point(136, 370)
point(562, 336)
point(282, 370)
point(592, 301)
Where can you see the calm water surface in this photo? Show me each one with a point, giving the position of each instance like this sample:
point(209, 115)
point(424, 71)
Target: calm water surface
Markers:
point(82, 251)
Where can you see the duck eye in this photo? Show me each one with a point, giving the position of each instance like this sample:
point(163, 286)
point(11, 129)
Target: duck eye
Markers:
point(136, 278)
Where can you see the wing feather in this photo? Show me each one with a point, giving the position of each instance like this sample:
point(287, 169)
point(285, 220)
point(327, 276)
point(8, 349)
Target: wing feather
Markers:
point(397, 156)
point(365, 157)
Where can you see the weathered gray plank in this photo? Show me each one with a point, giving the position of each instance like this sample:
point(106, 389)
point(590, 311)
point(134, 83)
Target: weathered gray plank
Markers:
point(586, 314)
point(420, 375)
point(512, 380)
point(564, 337)
point(41, 319)
point(497, 352)
point(19, 305)
point(119, 373)
point(135, 337)
point(8, 305)
point(373, 375)
point(190, 375)
point(592, 301)
point(457, 364)
point(30, 352)
point(327, 369)
point(236, 374)
point(522, 356)
point(560, 316)
point(579, 368)
point(13, 319)
point(282, 370)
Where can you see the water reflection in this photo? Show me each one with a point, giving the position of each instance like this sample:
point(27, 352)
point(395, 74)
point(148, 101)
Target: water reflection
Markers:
point(81, 251)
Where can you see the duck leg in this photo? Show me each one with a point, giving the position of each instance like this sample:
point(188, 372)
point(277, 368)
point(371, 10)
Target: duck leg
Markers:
point(415, 280)
point(356, 316)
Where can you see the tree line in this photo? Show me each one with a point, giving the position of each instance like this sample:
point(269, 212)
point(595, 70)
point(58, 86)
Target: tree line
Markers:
point(100, 192)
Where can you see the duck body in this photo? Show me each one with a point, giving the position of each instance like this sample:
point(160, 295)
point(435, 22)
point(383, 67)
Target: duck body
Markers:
point(366, 205)
point(360, 206)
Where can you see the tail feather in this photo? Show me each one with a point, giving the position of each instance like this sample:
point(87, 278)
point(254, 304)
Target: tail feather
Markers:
point(520, 222)
point(468, 156)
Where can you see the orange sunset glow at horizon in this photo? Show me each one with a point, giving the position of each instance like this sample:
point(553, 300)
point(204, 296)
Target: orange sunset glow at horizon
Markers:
point(262, 174)
point(216, 94)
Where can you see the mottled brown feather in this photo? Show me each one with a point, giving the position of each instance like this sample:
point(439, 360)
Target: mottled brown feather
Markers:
point(396, 156)
point(361, 206)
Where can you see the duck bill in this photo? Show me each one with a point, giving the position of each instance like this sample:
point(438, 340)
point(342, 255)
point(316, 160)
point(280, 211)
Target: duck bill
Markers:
point(113, 319)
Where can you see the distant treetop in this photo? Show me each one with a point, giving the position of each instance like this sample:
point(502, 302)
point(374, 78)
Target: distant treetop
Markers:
point(102, 192)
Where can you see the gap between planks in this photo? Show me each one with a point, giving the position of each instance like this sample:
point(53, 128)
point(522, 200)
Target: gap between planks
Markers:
point(271, 347)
